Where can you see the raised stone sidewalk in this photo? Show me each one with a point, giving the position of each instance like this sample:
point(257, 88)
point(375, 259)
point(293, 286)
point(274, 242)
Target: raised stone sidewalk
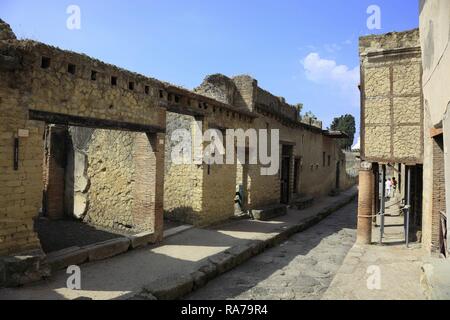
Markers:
point(390, 271)
point(182, 262)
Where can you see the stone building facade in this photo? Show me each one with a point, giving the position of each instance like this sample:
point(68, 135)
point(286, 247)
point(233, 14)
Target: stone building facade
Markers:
point(407, 74)
point(392, 108)
point(392, 117)
point(83, 139)
point(204, 196)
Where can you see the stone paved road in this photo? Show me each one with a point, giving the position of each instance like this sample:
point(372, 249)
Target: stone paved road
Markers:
point(301, 268)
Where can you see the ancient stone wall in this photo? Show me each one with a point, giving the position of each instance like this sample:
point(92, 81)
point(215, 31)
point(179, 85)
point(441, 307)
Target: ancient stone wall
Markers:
point(118, 177)
point(66, 87)
point(183, 183)
point(21, 190)
point(309, 143)
point(111, 171)
point(392, 107)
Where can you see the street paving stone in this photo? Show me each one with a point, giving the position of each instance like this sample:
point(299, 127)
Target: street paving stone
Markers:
point(301, 268)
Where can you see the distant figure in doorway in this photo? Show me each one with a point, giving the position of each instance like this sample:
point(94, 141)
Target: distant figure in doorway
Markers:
point(388, 188)
point(394, 187)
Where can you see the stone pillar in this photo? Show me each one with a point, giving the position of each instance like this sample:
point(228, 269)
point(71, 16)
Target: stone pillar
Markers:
point(365, 204)
point(149, 191)
point(54, 172)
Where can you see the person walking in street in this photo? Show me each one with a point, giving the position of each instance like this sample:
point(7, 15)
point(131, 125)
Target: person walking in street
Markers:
point(388, 188)
point(394, 187)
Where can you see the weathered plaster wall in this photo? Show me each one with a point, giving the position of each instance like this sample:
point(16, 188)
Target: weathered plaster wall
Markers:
point(435, 39)
point(111, 171)
point(183, 183)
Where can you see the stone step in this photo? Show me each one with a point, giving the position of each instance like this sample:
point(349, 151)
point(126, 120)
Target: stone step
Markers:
point(302, 203)
point(269, 212)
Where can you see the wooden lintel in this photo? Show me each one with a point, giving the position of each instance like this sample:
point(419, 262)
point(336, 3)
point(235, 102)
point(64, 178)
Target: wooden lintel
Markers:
point(70, 120)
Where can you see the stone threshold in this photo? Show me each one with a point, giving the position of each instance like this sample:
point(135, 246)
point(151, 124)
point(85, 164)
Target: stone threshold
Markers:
point(103, 250)
point(61, 259)
point(177, 286)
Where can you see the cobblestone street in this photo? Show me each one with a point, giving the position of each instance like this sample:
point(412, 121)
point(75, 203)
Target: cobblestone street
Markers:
point(301, 268)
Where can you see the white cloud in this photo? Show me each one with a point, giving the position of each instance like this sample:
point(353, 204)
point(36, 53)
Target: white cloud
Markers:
point(328, 72)
point(331, 48)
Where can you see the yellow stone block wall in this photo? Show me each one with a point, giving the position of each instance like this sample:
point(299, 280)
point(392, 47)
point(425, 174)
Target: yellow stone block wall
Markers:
point(21, 190)
point(219, 190)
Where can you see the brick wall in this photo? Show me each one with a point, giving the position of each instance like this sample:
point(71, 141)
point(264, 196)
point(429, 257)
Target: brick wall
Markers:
point(21, 190)
point(54, 172)
point(438, 200)
point(149, 191)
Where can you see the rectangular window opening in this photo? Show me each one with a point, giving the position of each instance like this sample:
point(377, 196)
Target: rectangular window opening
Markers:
point(71, 68)
point(94, 75)
point(45, 63)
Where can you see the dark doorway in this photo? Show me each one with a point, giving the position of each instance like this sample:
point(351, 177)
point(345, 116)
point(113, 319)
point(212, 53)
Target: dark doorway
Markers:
point(55, 159)
point(338, 175)
point(297, 175)
point(241, 198)
point(285, 173)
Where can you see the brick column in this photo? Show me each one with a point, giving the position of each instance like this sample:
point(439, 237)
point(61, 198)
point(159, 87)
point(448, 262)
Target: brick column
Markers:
point(365, 204)
point(149, 190)
point(438, 197)
point(54, 172)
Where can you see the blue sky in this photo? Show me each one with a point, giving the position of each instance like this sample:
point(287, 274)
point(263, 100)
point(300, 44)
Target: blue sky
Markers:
point(304, 50)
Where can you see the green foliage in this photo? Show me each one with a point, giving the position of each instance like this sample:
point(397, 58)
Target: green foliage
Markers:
point(311, 115)
point(347, 125)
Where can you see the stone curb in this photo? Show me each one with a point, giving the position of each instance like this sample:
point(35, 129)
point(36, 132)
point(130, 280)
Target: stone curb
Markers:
point(99, 251)
point(79, 255)
point(177, 286)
